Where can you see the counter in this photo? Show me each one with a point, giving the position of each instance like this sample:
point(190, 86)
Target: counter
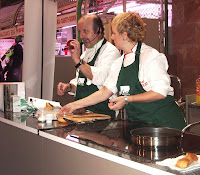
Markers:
point(100, 148)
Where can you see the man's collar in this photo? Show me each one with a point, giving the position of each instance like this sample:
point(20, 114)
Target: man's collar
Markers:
point(97, 45)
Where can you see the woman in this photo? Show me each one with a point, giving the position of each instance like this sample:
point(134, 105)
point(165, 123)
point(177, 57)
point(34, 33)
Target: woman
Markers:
point(139, 76)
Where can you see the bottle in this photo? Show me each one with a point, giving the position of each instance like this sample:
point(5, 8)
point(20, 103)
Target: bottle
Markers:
point(198, 90)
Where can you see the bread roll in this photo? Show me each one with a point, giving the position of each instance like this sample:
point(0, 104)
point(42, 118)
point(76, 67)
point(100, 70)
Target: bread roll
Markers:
point(48, 107)
point(186, 160)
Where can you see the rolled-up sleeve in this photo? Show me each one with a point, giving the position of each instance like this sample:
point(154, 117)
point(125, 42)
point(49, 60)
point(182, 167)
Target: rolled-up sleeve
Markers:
point(111, 81)
point(157, 75)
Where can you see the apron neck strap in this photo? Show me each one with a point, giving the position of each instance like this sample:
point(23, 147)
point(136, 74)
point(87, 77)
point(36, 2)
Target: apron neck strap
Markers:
point(91, 63)
point(137, 53)
point(137, 56)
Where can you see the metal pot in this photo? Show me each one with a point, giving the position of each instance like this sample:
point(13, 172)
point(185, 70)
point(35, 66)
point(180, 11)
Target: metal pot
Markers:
point(158, 136)
point(156, 153)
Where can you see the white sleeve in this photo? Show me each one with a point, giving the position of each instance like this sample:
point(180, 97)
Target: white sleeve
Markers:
point(103, 64)
point(157, 75)
point(111, 81)
point(74, 81)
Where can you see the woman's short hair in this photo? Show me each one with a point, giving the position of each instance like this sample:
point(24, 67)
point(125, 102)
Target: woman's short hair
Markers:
point(132, 24)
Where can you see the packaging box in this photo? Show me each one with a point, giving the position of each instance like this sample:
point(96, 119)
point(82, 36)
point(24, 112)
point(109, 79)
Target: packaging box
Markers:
point(15, 103)
point(7, 90)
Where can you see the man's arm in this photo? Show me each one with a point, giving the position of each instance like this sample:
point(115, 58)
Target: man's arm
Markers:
point(75, 53)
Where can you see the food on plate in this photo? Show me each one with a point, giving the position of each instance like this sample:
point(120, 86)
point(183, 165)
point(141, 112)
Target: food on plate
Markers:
point(79, 111)
point(48, 107)
point(186, 160)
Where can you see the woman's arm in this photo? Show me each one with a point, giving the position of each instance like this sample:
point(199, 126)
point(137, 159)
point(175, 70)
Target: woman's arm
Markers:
point(119, 102)
point(97, 97)
point(145, 97)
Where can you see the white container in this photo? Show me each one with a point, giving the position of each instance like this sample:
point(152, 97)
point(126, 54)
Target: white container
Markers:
point(55, 111)
point(41, 115)
point(49, 118)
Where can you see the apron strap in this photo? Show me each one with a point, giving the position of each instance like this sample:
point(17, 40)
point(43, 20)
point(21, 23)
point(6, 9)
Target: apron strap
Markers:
point(137, 57)
point(91, 63)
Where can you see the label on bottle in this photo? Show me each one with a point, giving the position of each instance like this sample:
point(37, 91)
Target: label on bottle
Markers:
point(198, 90)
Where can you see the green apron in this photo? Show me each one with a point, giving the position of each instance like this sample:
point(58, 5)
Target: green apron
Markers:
point(161, 113)
point(83, 90)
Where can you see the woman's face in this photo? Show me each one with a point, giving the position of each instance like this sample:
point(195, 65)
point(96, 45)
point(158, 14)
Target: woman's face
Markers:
point(117, 38)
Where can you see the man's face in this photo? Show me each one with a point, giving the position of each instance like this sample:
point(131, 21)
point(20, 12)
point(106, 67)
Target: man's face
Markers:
point(85, 27)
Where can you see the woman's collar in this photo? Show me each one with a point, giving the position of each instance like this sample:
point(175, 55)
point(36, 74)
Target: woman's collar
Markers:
point(132, 51)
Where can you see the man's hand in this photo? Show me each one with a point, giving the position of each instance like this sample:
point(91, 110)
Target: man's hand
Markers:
point(62, 88)
point(76, 51)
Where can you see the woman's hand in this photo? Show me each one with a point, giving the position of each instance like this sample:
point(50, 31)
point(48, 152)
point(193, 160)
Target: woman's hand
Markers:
point(116, 103)
point(67, 109)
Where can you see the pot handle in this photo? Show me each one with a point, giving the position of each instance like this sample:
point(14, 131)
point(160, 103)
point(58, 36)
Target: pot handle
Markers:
point(184, 129)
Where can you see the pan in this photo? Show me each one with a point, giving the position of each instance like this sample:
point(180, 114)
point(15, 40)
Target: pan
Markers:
point(158, 136)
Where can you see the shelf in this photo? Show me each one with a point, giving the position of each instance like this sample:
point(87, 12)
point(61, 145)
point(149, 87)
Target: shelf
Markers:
point(193, 105)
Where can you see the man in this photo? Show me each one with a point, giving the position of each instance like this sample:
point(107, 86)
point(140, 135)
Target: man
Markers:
point(13, 68)
point(93, 65)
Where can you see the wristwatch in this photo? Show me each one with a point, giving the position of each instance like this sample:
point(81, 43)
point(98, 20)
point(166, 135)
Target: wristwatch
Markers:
point(126, 100)
point(80, 63)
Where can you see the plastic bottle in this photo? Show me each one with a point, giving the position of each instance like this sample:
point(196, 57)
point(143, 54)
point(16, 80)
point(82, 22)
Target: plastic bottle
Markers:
point(198, 90)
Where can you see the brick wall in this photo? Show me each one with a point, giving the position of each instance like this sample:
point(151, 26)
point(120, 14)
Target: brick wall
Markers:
point(186, 42)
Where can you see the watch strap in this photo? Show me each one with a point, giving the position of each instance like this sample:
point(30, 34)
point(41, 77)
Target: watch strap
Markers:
point(126, 100)
point(80, 63)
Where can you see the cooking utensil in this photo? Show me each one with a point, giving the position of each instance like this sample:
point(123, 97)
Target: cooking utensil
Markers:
point(158, 136)
point(159, 153)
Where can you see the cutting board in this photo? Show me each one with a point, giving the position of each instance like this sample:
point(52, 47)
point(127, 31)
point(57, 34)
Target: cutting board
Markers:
point(87, 117)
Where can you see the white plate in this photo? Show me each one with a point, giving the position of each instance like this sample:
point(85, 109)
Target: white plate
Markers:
point(171, 162)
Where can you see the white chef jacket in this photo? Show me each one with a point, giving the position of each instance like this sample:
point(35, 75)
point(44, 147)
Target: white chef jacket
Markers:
point(107, 55)
point(153, 68)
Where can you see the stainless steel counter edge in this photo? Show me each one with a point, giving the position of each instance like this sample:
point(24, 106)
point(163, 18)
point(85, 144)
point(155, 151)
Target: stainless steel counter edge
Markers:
point(19, 125)
point(116, 159)
point(101, 154)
